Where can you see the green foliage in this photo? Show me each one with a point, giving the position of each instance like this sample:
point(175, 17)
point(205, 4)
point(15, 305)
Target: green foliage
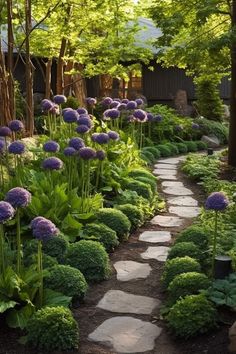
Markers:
point(192, 315)
point(90, 258)
point(147, 156)
point(187, 284)
point(173, 148)
point(101, 233)
point(177, 266)
point(56, 247)
point(141, 172)
point(194, 234)
point(72, 102)
point(223, 291)
point(154, 150)
point(201, 145)
point(140, 187)
point(132, 212)
point(199, 167)
point(48, 261)
point(209, 104)
point(191, 146)
point(183, 249)
point(67, 280)
point(164, 150)
point(150, 181)
point(53, 328)
point(182, 148)
point(209, 127)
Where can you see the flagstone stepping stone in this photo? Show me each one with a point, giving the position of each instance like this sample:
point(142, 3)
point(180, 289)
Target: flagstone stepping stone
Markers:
point(160, 171)
point(126, 334)
point(172, 184)
point(185, 211)
point(177, 191)
point(159, 253)
point(167, 221)
point(165, 166)
point(155, 236)
point(122, 302)
point(172, 160)
point(183, 201)
point(167, 177)
point(130, 270)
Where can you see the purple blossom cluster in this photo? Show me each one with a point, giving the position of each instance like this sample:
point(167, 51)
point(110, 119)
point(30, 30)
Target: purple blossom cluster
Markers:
point(52, 163)
point(91, 101)
point(16, 125)
point(140, 115)
point(101, 155)
point(51, 146)
point(18, 197)
point(111, 114)
point(43, 229)
point(2, 146)
point(76, 143)
point(6, 212)
point(70, 151)
point(59, 99)
point(217, 201)
point(82, 110)
point(102, 138)
point(70, 115)
point(87, 153)
point(16, 148)
point(113, 135)
point(5, 131)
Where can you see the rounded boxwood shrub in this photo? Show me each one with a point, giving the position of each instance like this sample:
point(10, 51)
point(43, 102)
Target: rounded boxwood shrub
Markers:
point(201, 145)
point(187, 284)
point(182, 148)
point(194, 234)
point(56, 247)
point(53, 328)
point(173, 148)
point(48, 261)
point(101, 233)
point(192, 315)
point(90, 258)
point(164, 150)
point(147, 180)
point(148, 155)
point(153, 150)
point(177, 266)
point(116, 220)
point(67, 280)
point(132, 212)
point(140, 187)
point(183, 249)
point(191, 145)
point(139, 172)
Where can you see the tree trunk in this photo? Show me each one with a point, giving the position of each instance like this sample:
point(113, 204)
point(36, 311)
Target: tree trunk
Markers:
point(48, 78)
point(232, 128)
point(28, 72)
point(5, 114)
point(10, 60)
point(60, 68)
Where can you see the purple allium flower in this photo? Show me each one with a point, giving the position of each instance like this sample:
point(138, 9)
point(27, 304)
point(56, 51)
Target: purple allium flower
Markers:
point(100, 155)
point(178, 128)
point(6, 211)
point(94, 136)
point(70, 151)
point(125, 100)
point(52, 163)
point(82, 110)
point(82, 129)
point(195, 126)
point(150, 117)
point(2, 146)
point(70, 116)
point(107, 101)
point(16, 125)
point(76, 143)
point(18, 197)
point(87, 153)
point(122, 107)
point(139, 101)
point(43, 229)
point(91, 101)
point(111, 113)
point(59, 99)
point(117, 99)
point(55, 109)
point(5, 131)
point(114, 104)
point(51, 146)
point(102, 138)
point(46, 105)
point(85, 120)
point(131, 105)
point(66, 109)
point(35, 221)
point(157, 118)
point(217, 201)
point(113, 135)
point(17, 148)
point(140, 115)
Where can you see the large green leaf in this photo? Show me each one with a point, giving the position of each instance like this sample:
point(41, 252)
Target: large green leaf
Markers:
point(19, 318)
point(7, 305)
point(54, 298)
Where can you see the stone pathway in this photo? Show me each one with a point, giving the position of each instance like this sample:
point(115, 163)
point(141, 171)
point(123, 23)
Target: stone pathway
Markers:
point(129, 334)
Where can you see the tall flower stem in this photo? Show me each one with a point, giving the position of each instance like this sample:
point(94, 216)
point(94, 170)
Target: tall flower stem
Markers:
point(2, 173)
point(141, 136)
point(18, 241)
point(2, 255)
point(40, 271)
point(214, 243)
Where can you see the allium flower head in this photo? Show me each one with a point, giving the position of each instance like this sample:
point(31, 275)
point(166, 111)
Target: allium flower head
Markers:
point(17, 148)
point(18, 197)
point(55, 110)
point(2, 146)
point(70, 151)
point(150, 117)
point(51, 146)
point(117, 99)
point(131, 105)
point(113, 135)
point(140, 115)
point(111, 113)
point(52, 163)
point(70, 116)
point(82, 129)
point(94, 136)
point(139, 101)
point(59, 99)
point(35, 221)
point(125, 100)
point(158, 118)
point(217, 201)
point(102, 138)
point(6, 211)
point(114, 104)
point(16, 125)
point(122, 107)
point(85, 120)
point(66, 109)
point(46, 105)
point(76, 143)
point(100, 155)
point(82, 110)
point(44, 229)
point(107, 101)
point(91, 101)
point(5, 131)
point(87, 153)
point(195, 126)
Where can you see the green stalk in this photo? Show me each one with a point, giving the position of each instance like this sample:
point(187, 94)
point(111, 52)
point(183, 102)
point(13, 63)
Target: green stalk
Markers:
point(18, 241)
point(98, 174)
point(141, 136)
point(40, 270)
point(214, 243)
point(2, 260)
point(2, 174)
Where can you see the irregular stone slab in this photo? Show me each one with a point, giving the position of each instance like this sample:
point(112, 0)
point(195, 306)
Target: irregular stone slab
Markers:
point(172, 184)
point(165, 166)
point(232, 338)
point(185, 211)
point(167, 221)
point(121, 302)
point(126, 334)
point(177, 191)
point(155, 236)
point(130, 270)
point(159, 253)
point(173, 160)
point(167, 177)
point(183, 201)
point(211, 141)
point(160, 171)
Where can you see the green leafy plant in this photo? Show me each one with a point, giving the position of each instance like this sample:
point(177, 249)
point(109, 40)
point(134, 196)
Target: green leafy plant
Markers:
point(150, 181)
point(173, 148)
point(90, 258)
point(147, 156)
point(201, 145)
point(140, 187)
point(191, 145)
point(134, 215)
point(155, 152)
point(183, 149)
point(196, 235)
point(141, 172)
point(101, 233)
point(164, 150)
point(192, 315)
point(53, 328)
point(199, 167)
point(210, 127)
point(183, 249)
point(223, 291)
